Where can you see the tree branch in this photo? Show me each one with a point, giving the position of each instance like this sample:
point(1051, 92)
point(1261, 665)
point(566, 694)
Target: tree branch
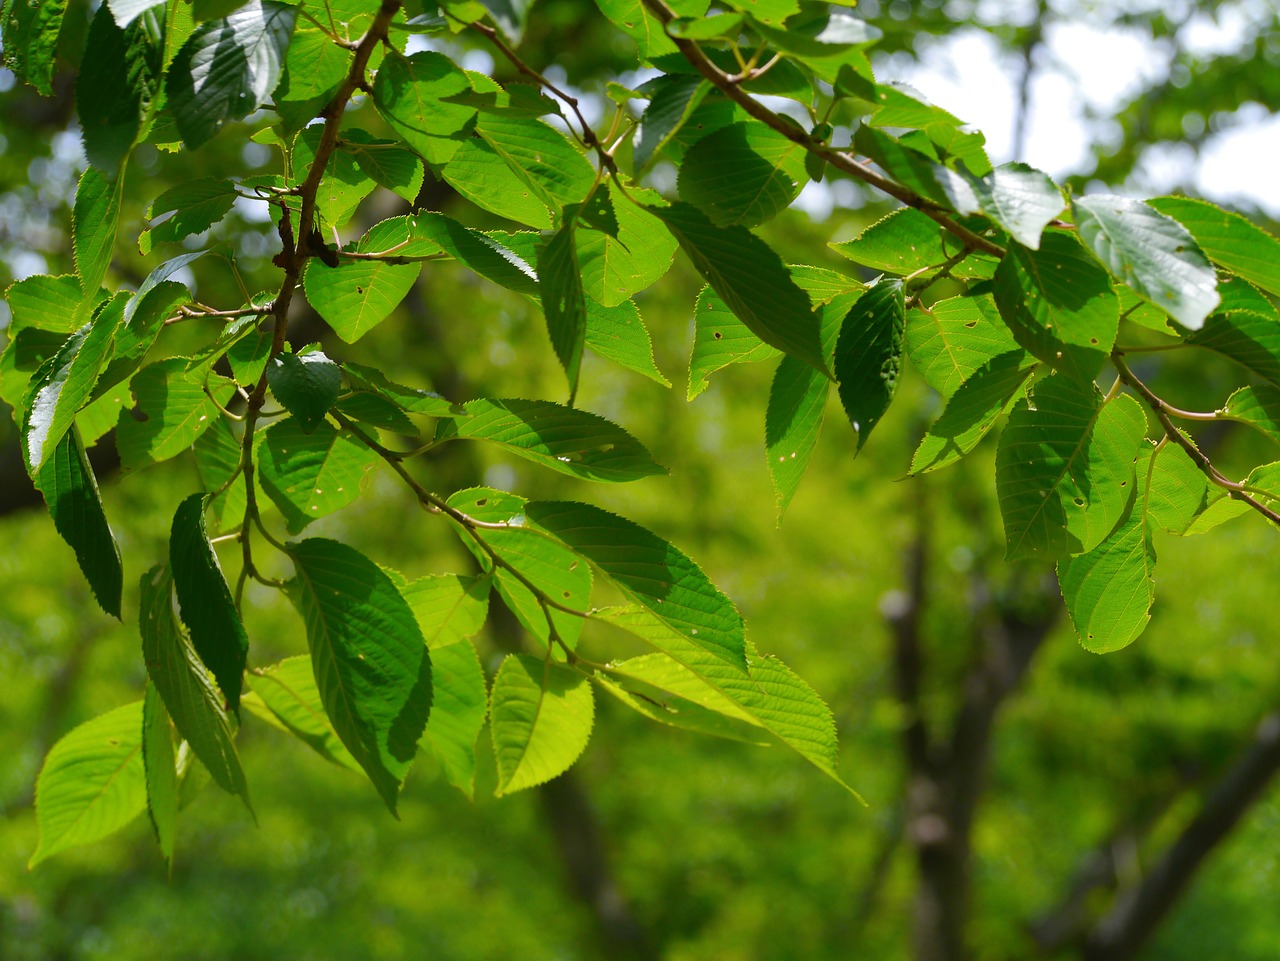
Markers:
point(839, 159)
point(1126, 928)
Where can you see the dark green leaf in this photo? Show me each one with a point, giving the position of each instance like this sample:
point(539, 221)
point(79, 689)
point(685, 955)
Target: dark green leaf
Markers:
point(563, 300)
point(30, 29)
point(310, 474)
point(1250, 339)
point(973, 410)
point(369, 656)
point(868, 356)
point(185, 685)
point(114, 80)
point(1065, 468)
point(540, 717)
point(574, 442)
point(1152, 253)
point(92, 782)
point(217, 455)
point(411, 399)
point(1059, 304)
point(66, 480)
point(306, 385)
point(482, 254)
point(744, 174)
point(751, 280)
point(228, 68)
point(672, 99)
point(205, 601)
point(366, 407)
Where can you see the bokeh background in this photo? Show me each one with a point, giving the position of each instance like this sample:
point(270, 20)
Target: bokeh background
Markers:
point(1066, 777)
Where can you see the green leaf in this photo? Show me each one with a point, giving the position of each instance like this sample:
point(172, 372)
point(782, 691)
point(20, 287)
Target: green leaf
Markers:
point(314, 68)
point(743, 174)
point(540, 156)
point(950, 340)
point(390, 166)
point(1152, 253)
point(973, 410)
point(1259, 407)
point(649, 571)
point(540, 717)
point(1020, 199)
point(306, 385)
point(770, 694)
point(191, 208)
point(217, 456)
point(906, 241)
point(573, 442)
point(672, 99)
point(815, 36)
point(918, 172)
point(751, 280)
point(311, 474)
point(118, 74)
point(1250, 339)
point(66, 480)
point(93, 229)
point(793, 421)
point(161, 770)
point(536, 575)
point(563, 300)
point(228, 68)
point(64, 383)
point(1064, 468)
point(631, 17)
point(1109, 591)
point(869, 356)
point(480, 174)
point(1219, 506)
point(1176, 488)
point(720, 339)
point(288, 690)
point(205, 601)
point(46, 303)
point(1059, 304)
point(412, 399)
point(482, 254)
point(664, 690)
point(1228, 239)
point(30, 29)
point(344, 183)
point(450, 609)
point(370, 660)
point(172, 410)
point(185, 685)
point(356, 296)
point(92, 782)
point(366, 407)
point(619, 334)
point(614, 268)
point(412, 95)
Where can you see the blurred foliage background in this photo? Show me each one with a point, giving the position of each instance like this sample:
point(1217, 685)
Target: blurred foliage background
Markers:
point(1064, 777)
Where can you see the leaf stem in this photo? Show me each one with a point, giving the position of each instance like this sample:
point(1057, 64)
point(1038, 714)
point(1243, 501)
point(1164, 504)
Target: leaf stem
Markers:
point(1165, 414)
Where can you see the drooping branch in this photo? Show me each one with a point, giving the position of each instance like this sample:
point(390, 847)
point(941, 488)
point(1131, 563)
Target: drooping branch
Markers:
point(840, 159)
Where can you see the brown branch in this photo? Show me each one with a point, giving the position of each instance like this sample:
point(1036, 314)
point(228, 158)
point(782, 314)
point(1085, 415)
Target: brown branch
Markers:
point(839, 159)
point(1126, 928)
point(1165, 414)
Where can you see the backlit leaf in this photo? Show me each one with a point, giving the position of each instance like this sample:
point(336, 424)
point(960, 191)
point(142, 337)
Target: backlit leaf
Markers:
point(540, 717)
